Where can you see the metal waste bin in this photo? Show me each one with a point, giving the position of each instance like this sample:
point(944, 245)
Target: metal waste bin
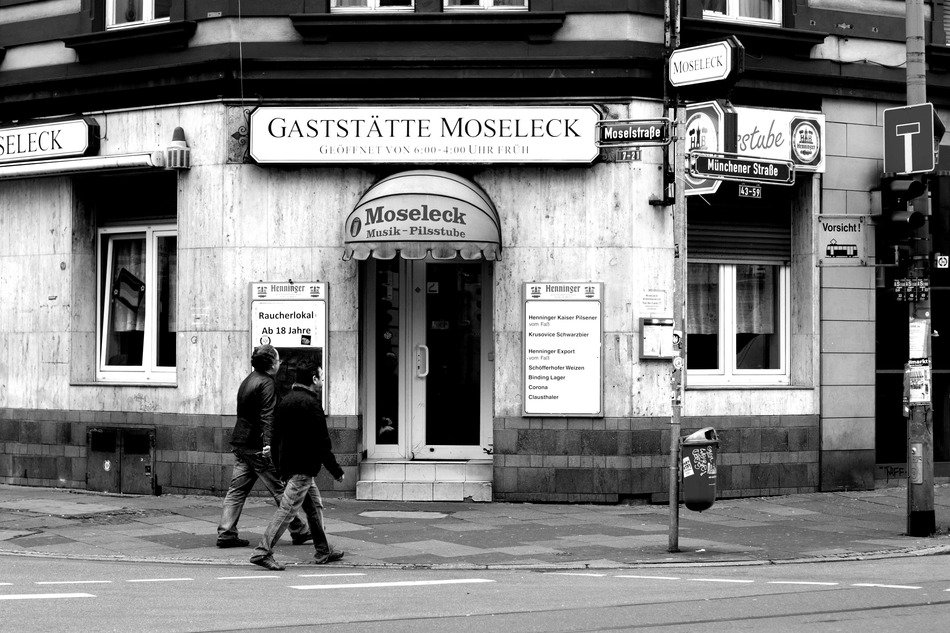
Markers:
point(699, 451)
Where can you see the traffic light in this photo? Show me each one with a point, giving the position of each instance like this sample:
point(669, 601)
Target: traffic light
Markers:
point(898, 196)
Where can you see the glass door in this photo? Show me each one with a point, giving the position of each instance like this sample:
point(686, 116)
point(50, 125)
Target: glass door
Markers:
point(429, 359)
point(450, 412)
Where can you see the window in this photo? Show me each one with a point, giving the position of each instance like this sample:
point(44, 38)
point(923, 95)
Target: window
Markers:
point(486, 4)
point(737, 323)
point(138, 284)
point(371, 5)
point(123, 13)
point(754, 11)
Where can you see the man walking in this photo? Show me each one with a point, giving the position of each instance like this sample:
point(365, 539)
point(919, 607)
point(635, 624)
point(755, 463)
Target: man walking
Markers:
point(301, 446)
point(251, 445)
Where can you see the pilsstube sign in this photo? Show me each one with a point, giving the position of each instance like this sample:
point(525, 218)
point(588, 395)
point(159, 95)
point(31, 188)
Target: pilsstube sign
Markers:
point(402, 134)
point(420, 217)
point(56, 139)
point(782, 135)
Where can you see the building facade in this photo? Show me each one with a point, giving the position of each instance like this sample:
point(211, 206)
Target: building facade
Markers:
point(419, 196)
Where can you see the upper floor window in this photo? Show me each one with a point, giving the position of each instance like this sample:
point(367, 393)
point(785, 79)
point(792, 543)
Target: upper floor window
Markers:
point(122, 13)
point(371, 5)
point(752, 11)
point(486, 4)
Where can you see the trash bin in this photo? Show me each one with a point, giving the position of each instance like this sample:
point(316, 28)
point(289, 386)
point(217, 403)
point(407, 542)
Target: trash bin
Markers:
point(699, 452)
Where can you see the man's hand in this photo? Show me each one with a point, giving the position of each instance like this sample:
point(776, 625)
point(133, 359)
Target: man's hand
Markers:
point(266, 451)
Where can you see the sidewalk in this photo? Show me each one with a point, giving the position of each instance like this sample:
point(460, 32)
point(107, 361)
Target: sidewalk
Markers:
point(818, 526)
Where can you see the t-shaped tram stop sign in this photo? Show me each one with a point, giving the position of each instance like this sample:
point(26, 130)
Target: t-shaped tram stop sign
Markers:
point(910, 135)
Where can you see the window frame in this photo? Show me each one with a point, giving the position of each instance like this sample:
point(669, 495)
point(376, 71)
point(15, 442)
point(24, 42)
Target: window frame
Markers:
point(485, 5)
point(149, 371)
point(732, 14)
point(727, 375)
point(148, 16)
point(373, 7)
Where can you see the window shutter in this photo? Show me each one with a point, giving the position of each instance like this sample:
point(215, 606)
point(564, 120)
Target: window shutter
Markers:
point(739, 237)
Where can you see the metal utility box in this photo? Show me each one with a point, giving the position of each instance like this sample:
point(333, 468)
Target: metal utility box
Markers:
point(121, 460)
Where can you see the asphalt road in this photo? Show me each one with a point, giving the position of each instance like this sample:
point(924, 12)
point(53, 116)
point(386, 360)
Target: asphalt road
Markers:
point(42, 594)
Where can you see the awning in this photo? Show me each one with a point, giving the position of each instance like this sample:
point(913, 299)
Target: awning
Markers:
point(421, 212)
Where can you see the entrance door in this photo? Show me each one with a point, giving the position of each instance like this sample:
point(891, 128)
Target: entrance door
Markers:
point(430, 378)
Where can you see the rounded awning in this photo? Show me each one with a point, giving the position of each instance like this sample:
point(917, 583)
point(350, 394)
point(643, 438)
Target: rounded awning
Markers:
point(421, 212)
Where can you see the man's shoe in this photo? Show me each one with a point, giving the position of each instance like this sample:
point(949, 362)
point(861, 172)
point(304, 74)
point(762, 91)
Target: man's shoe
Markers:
point(267, 562)
point(233, 542)
point(300, 539)
point(332, 557)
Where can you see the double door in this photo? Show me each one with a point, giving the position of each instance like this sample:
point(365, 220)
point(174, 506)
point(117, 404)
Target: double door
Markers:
point(429, 359)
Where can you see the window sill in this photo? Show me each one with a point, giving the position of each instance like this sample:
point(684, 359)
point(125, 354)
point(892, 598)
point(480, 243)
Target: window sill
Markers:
point(755, 38)
point(125, 42)
point(538, 26)
point(103, 383)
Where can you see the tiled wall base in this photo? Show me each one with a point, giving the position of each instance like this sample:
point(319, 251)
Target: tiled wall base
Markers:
point(403, 480)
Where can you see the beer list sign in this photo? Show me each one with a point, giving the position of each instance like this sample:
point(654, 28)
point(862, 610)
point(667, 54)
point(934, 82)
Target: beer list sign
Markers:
point(563, 339)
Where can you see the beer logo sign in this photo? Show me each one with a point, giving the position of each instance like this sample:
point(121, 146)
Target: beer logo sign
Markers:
point(806, 142)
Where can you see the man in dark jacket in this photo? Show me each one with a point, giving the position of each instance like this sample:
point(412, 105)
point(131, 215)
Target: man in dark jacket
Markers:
point(302, 445)
point(251, 445)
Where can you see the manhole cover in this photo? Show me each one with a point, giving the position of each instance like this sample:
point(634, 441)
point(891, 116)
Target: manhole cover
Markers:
point(397, 514)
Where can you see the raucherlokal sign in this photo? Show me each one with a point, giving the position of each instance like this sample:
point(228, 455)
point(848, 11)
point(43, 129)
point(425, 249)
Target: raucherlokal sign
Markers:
point(292, 316)
point(424, 135)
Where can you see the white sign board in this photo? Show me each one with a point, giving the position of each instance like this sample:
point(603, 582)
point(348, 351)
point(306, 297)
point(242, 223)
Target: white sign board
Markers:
point(701, 64)
point(792, 135)
point(60, 139)
point(421, 135)
point(842, 240)
point(291, 316)
point(563, 345)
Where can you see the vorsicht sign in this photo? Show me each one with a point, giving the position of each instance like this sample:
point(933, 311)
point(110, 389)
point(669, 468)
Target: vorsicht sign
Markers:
point(563, 345)
point(55, 139)
point(424, 135)
point(702, 64)
point(842, 240)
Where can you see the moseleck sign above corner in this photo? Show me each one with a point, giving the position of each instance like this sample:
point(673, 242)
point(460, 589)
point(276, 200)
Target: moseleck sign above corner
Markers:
point(701, 64)
point(47, 140)
point(420, 135)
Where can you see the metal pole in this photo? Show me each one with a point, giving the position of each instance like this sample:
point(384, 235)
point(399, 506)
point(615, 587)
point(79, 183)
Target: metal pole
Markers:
point(920, 489)
point(676, 156)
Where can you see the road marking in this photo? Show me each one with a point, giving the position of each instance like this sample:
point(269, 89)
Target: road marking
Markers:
point(326, 575)
point(801, 582)
point(5, 584)
point(246, 577)
point(158, 579)
point(405, 583)
point(869, 584)
point(73, 582)
point(40, 596)
point(732, 580)
point(650, 577)
point(570, 573)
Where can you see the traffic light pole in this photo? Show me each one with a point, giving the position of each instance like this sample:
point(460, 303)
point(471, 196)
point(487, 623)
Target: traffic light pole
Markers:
point(920, 489)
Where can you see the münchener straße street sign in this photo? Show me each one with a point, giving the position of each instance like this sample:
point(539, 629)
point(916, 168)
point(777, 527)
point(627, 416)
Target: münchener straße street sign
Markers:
point(741, 168)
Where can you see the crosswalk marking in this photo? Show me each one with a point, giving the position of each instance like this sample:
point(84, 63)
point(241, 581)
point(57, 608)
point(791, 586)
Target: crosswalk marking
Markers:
point(246, 577)
point(326, 575)
point(649, 577)
point(73, 582)
point(802, 582)
point(405, 583)
point(868, 584)
point(41, 596)
point(732, 580)
point(572, 573)
point(158, 579)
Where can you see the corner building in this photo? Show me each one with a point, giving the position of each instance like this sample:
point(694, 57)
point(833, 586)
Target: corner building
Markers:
point(415, 196)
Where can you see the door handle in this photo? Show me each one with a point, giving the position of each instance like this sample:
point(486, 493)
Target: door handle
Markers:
point(422, 351)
